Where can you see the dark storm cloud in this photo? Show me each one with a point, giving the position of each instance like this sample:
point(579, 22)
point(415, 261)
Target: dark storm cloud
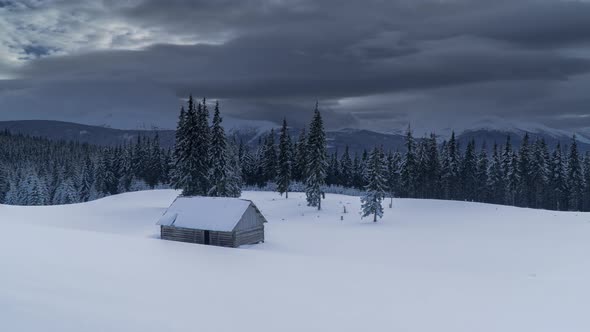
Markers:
point(267, 59)
point(529, 23)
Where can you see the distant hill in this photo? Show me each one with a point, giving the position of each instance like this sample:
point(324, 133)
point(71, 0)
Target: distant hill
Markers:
point(356, 139)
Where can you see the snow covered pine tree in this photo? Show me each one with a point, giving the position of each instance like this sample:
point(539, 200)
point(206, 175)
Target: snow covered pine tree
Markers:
point(376, 186)
point(316, 161)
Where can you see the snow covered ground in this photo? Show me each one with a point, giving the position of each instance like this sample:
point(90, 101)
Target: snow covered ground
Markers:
point(427, 266)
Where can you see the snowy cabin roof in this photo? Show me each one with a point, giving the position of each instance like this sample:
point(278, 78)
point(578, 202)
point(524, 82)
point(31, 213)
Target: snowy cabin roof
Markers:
point(207, 213)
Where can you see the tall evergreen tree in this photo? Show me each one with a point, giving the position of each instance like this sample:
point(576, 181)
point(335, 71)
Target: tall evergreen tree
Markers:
point(482, 176)
point(376, 186)
point(285, 159)
point(409, 169)
point(316, 161)
point(557, 199)
point(539, 174)
point(346, 169)
point(524, 173)
point(586, 171)
point(574, 178)
point(509, 168)
point(469, 172)
point(496, 183)
point(451, 169)
point(299, 157)
point(270, 163)
point(219, 172)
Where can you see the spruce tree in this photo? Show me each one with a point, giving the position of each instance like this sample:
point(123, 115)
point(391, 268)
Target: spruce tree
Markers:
point(4, 182)
point(316, 161)
point(235, 179)
point(539, 174)
point(270, 163)
point(574, 178)
point(469, 172)
point(346, 170)
point(179, 151)
point(409, 169)
point(299, 157)
point(524, 173)
point(586, 171)
point(451, 169)
point(557, 192)
point(509, 169)
point(482, 176)
point(432, 168)
point(201, 148)
point(219, 173)
point(283, 179)
point(496, 183)
point(392, 175)
point(371, 201)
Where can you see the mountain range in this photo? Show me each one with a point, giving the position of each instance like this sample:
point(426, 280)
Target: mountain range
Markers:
point(251, 132)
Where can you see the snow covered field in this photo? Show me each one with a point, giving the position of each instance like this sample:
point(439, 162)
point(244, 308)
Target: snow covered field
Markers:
point(427, 266)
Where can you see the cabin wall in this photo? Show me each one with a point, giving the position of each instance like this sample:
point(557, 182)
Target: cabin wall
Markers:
point(224, 239)
point(182, 234)
point(250, 219)
point(249, 236)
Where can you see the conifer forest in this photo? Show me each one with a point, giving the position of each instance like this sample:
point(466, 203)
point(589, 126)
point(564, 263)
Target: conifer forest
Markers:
point(206, 161)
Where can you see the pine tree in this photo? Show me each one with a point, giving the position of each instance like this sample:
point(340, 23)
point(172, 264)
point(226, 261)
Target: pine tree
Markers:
point(524, 170)
point(333, 176)
point(586, 171)
point(496, 183)
point(574, 178)
point(451, 169)
point(392, 175)
point(202, 139)
point(469, 172)
point(283, 179)
point(376, 186)
point(299, 157)
point(234, 183)
point(557, 193)
point(316, 161)
point(4, 183)
point(153, 169)
point(270, 157)
point(180, 150)
point(358, 176)
point(432, 168)
point(482, 176)
point(346, 170)
point(218, 177)
point(539, 174)
point(87, 180)
point(509, 169)
point(66, 193)
point(409, 170)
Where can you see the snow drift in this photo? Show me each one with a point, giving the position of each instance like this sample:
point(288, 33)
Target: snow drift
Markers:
point(426, 266)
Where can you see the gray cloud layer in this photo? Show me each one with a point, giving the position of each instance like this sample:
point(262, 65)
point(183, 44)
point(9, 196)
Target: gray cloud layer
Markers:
point(377, 64)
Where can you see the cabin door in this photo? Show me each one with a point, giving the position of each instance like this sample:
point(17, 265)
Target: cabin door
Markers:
point(207, 238)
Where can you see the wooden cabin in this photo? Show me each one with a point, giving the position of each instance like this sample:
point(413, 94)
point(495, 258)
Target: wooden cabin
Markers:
point(218, 221)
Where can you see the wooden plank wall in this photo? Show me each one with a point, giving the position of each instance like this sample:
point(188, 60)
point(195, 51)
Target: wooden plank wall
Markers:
point(250, 236)
point(224, 239)
point(182, 234)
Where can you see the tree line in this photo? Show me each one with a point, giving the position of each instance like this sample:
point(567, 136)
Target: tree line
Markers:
point(205, 161)
point(38, 171)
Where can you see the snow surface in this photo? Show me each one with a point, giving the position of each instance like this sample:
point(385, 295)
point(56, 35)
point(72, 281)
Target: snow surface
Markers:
point(427, 266)
point(211, 213)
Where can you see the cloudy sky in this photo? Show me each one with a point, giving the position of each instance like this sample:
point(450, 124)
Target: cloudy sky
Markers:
point(371, 64)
